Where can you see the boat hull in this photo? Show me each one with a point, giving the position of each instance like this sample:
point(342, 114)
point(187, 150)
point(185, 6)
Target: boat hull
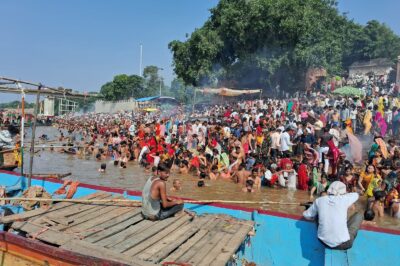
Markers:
point(281, 239)
point(8, 167)
point(18, 250)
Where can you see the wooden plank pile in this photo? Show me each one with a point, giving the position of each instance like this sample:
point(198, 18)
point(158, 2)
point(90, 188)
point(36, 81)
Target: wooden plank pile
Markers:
point(118, 232)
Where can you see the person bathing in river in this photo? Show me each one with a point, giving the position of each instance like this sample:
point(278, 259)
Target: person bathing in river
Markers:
point(176, 185)
point(156, 205)
point(249, 186)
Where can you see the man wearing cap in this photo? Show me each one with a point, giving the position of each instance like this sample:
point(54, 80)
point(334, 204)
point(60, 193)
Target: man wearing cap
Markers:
point(334, 230)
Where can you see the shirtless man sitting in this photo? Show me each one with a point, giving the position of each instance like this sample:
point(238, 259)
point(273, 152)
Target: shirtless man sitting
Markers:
point(155, 203)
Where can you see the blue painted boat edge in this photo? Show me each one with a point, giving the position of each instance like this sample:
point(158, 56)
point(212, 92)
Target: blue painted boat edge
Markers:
point(220, 205)
point(276, 235)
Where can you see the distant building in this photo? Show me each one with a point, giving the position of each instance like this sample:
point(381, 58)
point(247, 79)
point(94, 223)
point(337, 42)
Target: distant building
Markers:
point(379, 67)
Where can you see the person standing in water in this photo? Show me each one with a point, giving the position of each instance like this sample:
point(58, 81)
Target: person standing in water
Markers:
point(155, 203)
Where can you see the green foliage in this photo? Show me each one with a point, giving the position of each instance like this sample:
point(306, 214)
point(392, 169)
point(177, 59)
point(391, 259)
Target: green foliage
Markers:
point(123, 87)
point(16, 104)
point(262, 43)
point(380, 41)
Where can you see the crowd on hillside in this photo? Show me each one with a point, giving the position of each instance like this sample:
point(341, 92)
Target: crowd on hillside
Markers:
point(303, 143)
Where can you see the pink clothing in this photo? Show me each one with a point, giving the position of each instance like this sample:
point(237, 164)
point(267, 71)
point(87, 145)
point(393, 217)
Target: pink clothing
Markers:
point(355, 147)
point(381, 123)
point(162, 130)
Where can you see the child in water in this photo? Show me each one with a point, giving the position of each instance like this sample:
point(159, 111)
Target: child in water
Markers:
point(184, 167)
point(249, 186)
point(102, 168)
point(176, 185)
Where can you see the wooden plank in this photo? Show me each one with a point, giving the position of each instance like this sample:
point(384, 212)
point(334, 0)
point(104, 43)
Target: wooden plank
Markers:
point(95, 251)
point(60, 220)
point(125, 234)
point(112, 222)
point(233, 245)
point(80, 207)
point(204, 247)
point(46, 234)
point(218, 248)
point(145, 234)
point(186, 246)
point(57, 213)
point(162, 249)
point(73, 209)
point(40, 211)
point(157, 237)
point(114, 229)
point(202, 242)
point(98, 220)
point(88, 208)
point(88, 216)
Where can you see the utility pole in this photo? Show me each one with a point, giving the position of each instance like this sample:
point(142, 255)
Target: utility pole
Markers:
point(160, 68)
point(160, 85)
point(141, 58)
point(398, 71)
point(32, 150)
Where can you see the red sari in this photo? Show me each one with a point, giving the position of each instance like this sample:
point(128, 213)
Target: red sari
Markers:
point(303, 177)
point(334, 154)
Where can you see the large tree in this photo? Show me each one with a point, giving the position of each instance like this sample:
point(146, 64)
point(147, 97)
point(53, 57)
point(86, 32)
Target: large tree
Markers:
point(123, 87)
point(152, 80)
point(263, 43)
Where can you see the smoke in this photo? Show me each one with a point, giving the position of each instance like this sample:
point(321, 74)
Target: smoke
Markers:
point(366, 141)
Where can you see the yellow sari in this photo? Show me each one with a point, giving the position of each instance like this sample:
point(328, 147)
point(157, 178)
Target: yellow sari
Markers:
point(367, 122)
point(381, 106)
point(373, 184)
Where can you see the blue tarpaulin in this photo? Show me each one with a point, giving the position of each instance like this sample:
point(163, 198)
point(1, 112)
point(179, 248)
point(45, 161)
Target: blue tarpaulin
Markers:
point(146, 99)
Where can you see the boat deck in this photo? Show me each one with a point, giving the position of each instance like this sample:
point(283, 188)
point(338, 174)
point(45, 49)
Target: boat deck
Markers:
point(117, 231)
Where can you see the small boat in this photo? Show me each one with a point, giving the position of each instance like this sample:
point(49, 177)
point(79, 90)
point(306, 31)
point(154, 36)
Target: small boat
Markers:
point(280, 239)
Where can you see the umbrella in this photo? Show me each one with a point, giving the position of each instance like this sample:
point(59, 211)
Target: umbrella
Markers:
point(150, 109)
point(348, 91)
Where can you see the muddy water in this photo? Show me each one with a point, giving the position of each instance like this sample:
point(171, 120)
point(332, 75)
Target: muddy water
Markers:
point(134, 177)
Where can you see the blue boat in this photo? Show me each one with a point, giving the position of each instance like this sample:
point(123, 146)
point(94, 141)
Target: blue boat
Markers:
point(280, 239)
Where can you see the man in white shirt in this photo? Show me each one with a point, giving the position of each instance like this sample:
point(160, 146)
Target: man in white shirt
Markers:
point(286, 144)
point(132, 130)
point(334, 230)
point(275, 142)
point(353, 117)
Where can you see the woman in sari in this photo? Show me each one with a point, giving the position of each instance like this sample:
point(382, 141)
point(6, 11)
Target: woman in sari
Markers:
point(367, 121)
point(303, 178)
point(334, 156)
point(366, 178)
point(372, 152)
point(311, 155)
point(380, 121)
point(349, 180)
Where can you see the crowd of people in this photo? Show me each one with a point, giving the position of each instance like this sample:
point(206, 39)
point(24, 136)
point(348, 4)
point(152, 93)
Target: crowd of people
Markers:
point(294, 144)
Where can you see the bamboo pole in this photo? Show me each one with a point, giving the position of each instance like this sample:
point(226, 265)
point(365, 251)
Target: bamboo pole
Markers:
point(139, 202)
point(194, 101)
point(22, 131)
point(32, 149)
point(49, 147)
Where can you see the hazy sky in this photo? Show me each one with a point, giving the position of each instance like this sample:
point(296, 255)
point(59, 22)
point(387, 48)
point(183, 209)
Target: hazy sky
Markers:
point(82, 44)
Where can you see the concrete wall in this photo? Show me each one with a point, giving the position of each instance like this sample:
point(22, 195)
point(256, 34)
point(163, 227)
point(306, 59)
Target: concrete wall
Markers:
point(48, 106)
point(114, 107)
point(353, 71)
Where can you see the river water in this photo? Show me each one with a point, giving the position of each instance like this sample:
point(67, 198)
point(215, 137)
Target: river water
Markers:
point(134, 177)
